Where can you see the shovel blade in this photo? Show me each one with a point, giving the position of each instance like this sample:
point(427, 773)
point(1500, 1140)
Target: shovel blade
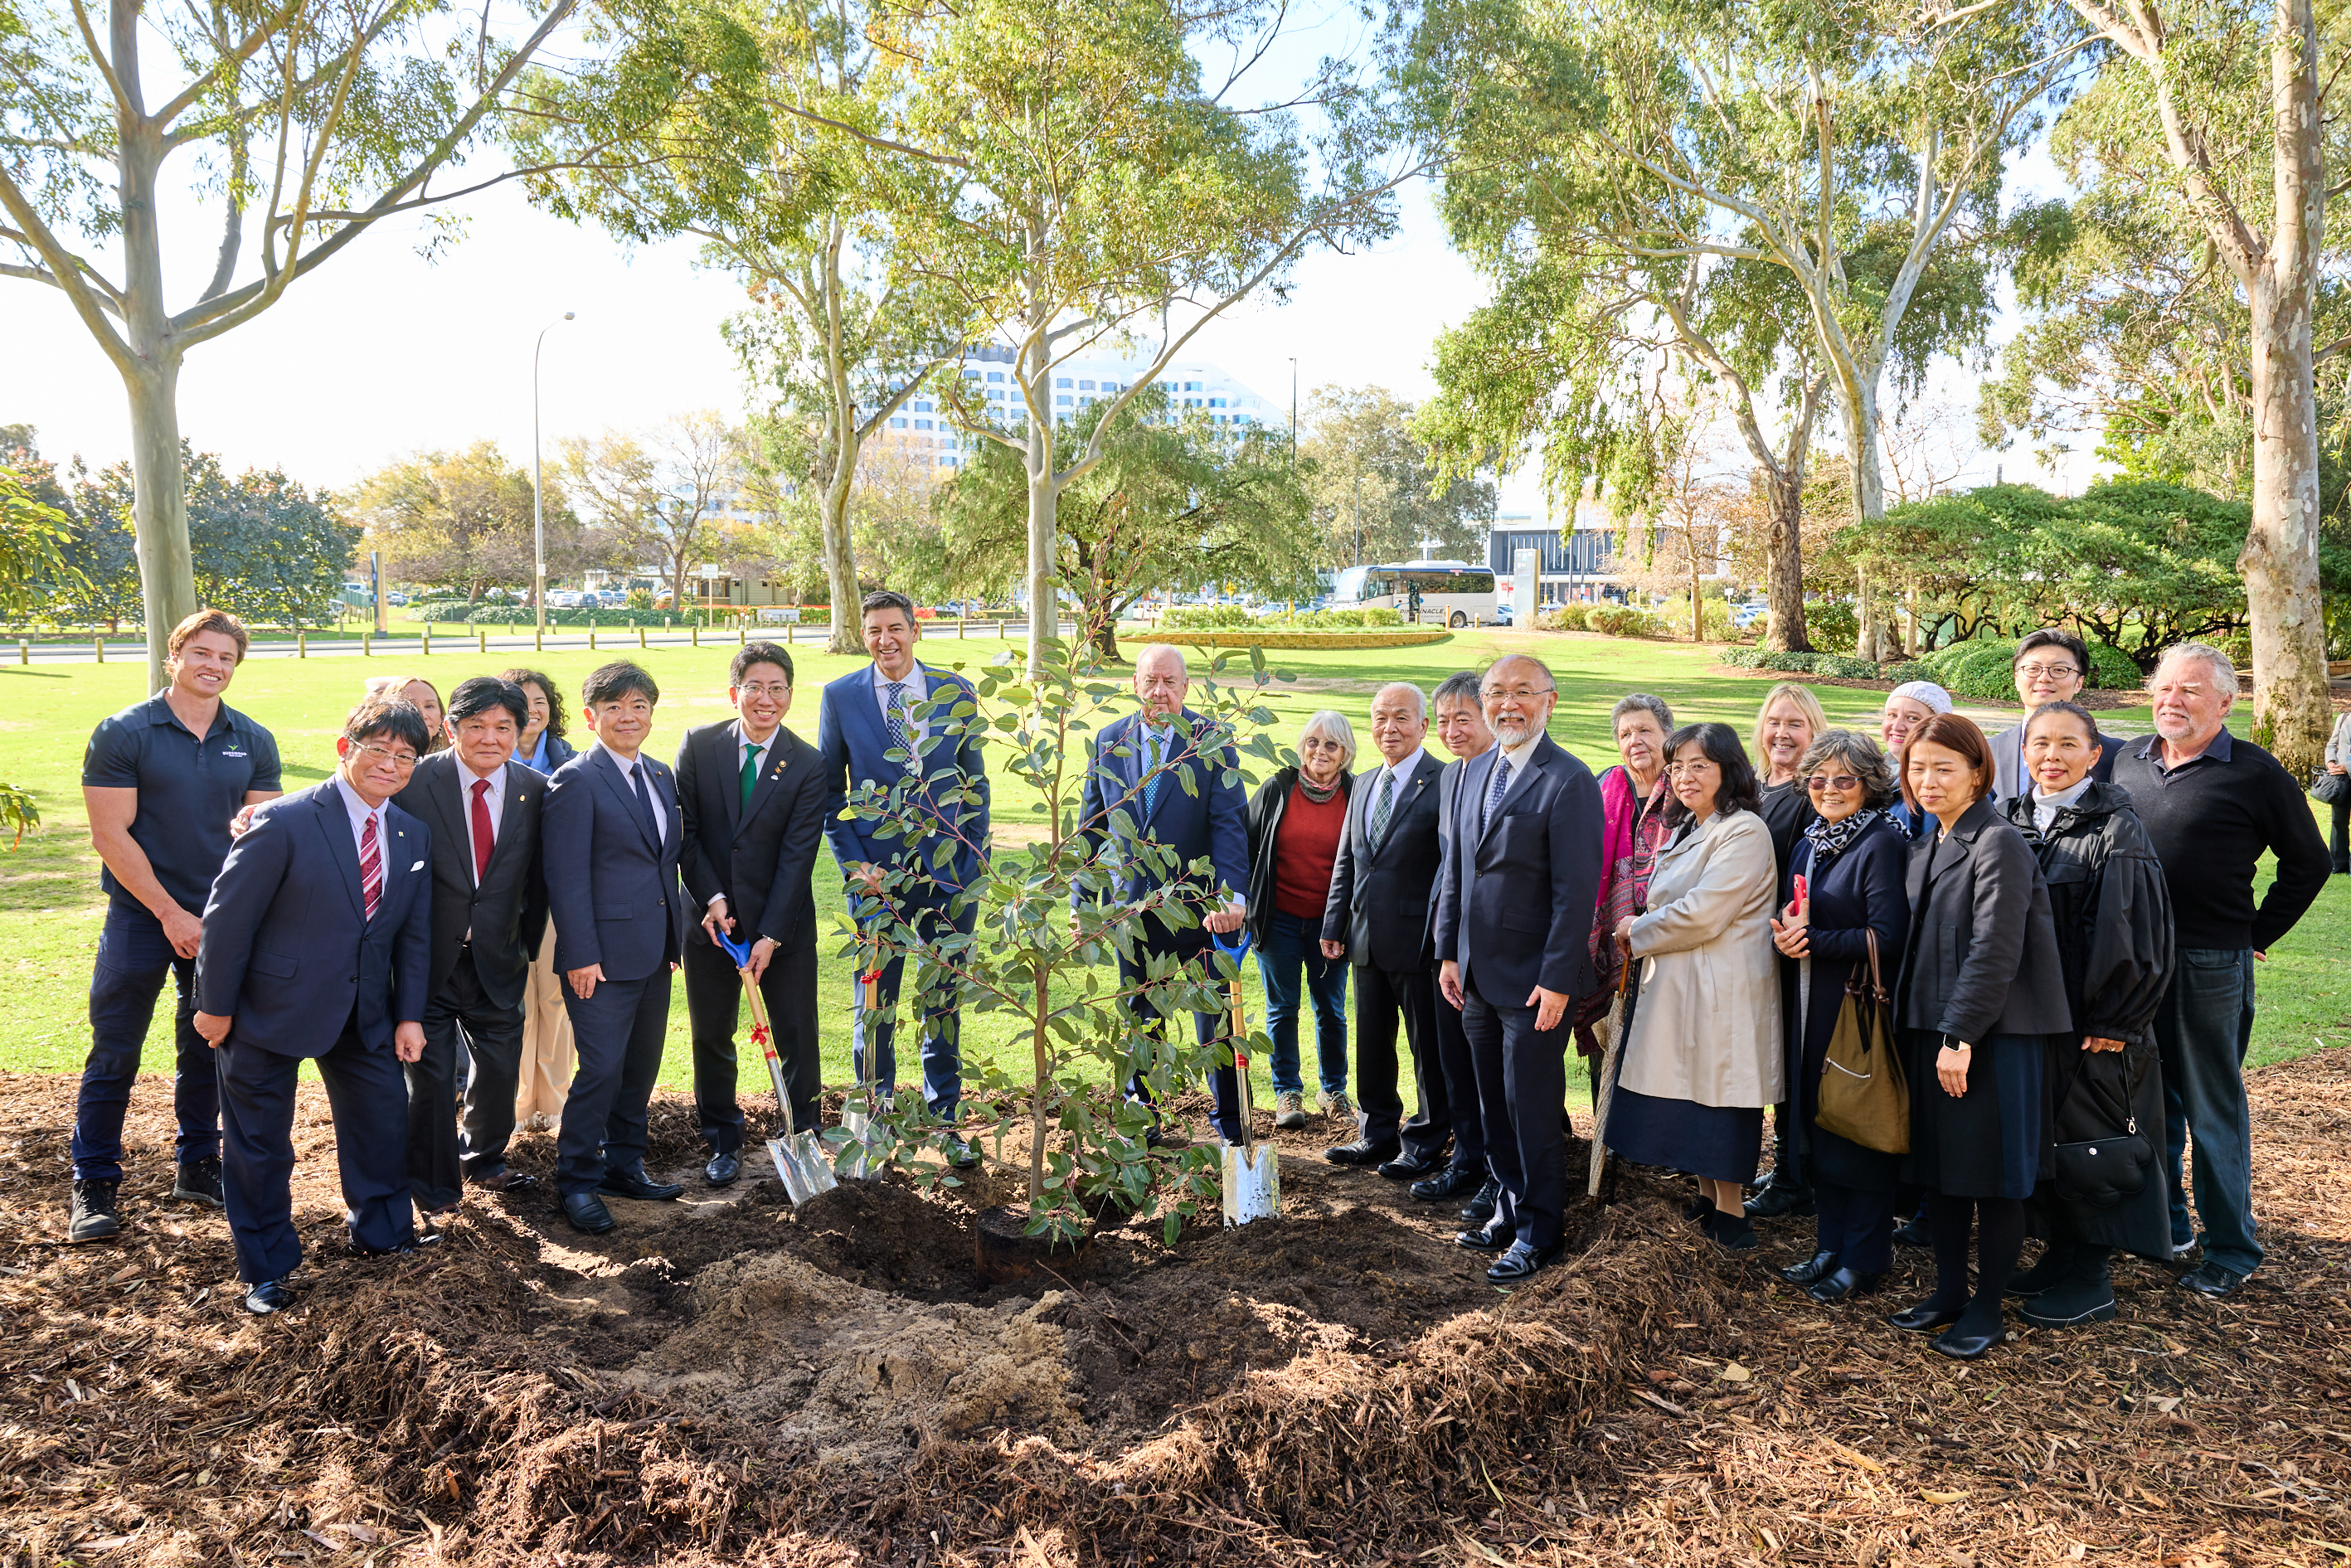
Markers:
point(804, 1171)
point(1253, 1188)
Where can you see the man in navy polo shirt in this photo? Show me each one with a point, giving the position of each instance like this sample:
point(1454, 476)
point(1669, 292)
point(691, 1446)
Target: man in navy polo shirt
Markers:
point(161, 781)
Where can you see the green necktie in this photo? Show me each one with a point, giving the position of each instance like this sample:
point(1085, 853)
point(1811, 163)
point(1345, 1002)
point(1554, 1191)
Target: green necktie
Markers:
point(751, 749)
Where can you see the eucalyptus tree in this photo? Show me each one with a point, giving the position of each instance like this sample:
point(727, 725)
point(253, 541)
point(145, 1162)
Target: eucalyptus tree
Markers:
point(1655, 151)
point(1114, 193)
point(305, 122)
point(2189, 283)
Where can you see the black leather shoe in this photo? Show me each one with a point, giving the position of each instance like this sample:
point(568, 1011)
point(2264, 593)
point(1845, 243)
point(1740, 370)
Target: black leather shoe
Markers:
point(1412, 1167)
point(1522, 1260)
point(1363, 1152)
point(2055, 1267)
point(199, 1181)
point(637, 1185)
point(1732, 1232)
point(723, 1169)
point(1812, 1270)
point(269, 1296)
point(587, 1213)
point(1924, 1318)
point(506, 1181)
point(1968, 1347)
point(1480, 1209)
point(1913, 1232)
point(415, 1243)
point(1843, 1285)
point(1491, 1238)
point(2209, 1279)
point(960, 1153)
point(1781, 1201)
point(93, 1215)
point(1697, 1208)
point(1450, 1182)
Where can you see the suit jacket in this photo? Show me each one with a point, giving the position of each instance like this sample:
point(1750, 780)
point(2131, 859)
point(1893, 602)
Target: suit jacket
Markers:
point(288, 951)
point(2007, 761)
point(1514, 904)
point(851, 744)
point(1381, 897)
point(611, 892)
point(1204, 820)
point(507, 912)
point(763, 857)
point(1982, 957)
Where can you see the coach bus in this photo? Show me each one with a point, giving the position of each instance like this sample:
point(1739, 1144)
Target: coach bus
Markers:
point(1449, 592)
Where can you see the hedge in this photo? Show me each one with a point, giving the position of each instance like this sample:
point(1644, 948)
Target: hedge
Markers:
point(1249, 637)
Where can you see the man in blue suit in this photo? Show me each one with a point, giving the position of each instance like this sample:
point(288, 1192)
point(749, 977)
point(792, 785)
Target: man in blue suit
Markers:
point(1514, 901)
point(610, 835)
point(318, 944)
point(1141, 765)
point(900, 720)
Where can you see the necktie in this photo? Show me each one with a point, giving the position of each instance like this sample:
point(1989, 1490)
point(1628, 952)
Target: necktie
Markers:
point(751, 749)
point(898, 736)
point(645, 803)
point(1494, 795)
point(1151, 780)
point(483, 840)
point(1383, 802)
point(371, 867)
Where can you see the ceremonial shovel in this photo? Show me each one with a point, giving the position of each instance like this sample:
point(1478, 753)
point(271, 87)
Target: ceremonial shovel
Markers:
point(1611, 1034)
point(801, 1165)
point(1252, 1175)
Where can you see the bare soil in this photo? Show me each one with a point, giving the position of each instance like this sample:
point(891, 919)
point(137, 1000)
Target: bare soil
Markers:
point(729, 1379)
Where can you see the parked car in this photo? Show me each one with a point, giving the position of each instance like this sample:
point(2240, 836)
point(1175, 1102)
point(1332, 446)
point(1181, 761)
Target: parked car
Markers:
point(395, 598)
point(1745, 615)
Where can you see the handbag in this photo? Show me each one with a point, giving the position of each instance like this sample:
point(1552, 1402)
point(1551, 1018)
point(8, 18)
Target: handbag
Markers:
point(2331, 789)
point(2105, 1158)
point(1864, 1099)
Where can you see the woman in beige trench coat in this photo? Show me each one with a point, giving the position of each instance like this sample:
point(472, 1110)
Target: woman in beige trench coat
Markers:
point(1703, 1057)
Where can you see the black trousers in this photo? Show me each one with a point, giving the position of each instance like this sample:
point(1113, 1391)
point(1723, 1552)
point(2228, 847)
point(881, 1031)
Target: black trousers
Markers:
point(1460, 1075)
point(2338, 842)
point(618, 1033)
point(1521, 1084)
point(1208, 1027)
point(371, 1110)
point(463, 1029)
point(714, 1003)
point(1382, 997)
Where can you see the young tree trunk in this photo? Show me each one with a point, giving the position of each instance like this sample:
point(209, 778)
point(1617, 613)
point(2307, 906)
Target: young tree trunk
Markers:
point(841, 566)
point(1698, 600)
point(158, 506)
point(1044, 603)
point(2292, 711)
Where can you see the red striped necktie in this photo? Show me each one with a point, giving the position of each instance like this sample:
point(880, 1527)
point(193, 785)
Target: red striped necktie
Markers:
point(371, 865)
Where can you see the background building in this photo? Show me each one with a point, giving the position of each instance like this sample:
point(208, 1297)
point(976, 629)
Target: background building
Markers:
point(1575, 558)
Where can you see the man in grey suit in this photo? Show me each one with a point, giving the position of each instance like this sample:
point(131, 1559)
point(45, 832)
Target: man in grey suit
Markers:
point(1514, 910)
point(1378, 918)
point(489, 911)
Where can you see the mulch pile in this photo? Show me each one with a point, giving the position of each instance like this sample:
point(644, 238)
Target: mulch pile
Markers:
point(735, 1381)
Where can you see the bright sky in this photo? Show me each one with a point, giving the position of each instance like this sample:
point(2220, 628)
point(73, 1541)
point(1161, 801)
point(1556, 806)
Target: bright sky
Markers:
point(383, 351)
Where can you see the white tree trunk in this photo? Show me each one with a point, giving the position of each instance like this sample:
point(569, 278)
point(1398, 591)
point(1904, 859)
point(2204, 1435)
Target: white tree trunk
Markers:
point(1859, 402)
point(1044, 599)
point(167, 580)
point(841, 566)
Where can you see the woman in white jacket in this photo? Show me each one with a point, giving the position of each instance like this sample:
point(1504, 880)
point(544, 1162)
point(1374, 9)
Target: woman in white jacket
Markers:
point(1703, 1057)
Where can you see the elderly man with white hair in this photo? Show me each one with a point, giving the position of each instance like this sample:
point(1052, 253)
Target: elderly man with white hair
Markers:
point(2213, 803)
point(1380, 917)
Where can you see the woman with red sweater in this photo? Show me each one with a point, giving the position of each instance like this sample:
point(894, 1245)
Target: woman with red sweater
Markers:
point(1294, 824)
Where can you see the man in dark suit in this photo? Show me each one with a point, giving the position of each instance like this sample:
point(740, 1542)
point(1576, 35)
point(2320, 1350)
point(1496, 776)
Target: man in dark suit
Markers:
point(1378, 918)
point(610, 835)
point(318, 945)
point(899, 720)
point(1461, 728)
point(753, 798)
point(1514, 912)
point(1167, 766)
point(489, 911)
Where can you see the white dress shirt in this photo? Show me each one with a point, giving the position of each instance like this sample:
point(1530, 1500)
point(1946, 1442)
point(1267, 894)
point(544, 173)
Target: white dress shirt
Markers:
point(360, 812)
point(765, 749)
point(494, 803)
point(917, 690)
point(1396, 771)
point(653, 788)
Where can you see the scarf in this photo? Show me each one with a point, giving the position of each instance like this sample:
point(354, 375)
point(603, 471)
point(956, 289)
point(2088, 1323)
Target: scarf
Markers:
point(1318, 795)
point(1829, 839)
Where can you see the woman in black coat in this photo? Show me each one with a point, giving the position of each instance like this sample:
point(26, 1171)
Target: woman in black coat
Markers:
point(1980, 1004)
point(1851, 857)
point(2115, 945)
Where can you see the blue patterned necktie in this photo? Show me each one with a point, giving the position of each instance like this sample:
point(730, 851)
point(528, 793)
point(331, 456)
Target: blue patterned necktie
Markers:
point(898, 734)
point(1494, 795)
point(1380, 805)
point(1151, 776)
point(645, 803)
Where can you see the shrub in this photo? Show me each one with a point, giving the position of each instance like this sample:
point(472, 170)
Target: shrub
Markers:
point(2113, 670)
point(1797, 664)
point(1831, 625)
point(1719, 627)
point(1745, 658)
point(1562, 618)
point(1623, 620)
point(1911, 670)
point(1311, 619)
point(1845, 668)
point(1204, 617)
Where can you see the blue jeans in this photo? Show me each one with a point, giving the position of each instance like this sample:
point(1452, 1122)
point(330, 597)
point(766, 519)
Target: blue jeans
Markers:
point(133, 961)
point(2202, 1031)
point(1290, 945)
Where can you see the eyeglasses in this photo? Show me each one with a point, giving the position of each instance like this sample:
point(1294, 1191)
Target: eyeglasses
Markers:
point(1839, 781)
point(766, 689)
point(377, 754)
point(1695, 765)
point(1521, 694)
point(2048, 672)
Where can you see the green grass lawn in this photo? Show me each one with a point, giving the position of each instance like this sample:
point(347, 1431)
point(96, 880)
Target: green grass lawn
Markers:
point(50, 905)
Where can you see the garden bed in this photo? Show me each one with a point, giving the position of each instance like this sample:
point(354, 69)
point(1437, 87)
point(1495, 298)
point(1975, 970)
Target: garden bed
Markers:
point(1242, 637)
point(728, 1379)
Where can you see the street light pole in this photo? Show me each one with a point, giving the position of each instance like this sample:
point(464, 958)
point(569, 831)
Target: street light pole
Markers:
point(1293, 408)
point(537, 511)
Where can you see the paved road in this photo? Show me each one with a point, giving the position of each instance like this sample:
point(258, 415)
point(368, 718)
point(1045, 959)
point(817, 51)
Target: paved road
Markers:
point(406, 644)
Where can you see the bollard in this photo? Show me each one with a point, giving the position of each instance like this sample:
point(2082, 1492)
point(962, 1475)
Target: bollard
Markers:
point(538, 640)
point(963, 625)
point(426, 651)
point(1000, 628)
point(481, 638)
point(301, 644)
point(742, 633)
point(367, 649)
point(99, 644)
point(693, 634)
point(591, 636)
point(23, 651)
point(641, 636)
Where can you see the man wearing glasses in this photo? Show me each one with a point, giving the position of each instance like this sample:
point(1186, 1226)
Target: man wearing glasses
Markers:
point(317, 945)
point(1514, 907)
point(2051, 667)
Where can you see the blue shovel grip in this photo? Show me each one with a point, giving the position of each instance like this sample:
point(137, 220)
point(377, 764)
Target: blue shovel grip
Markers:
point(1239, 947)
point(739, 951)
